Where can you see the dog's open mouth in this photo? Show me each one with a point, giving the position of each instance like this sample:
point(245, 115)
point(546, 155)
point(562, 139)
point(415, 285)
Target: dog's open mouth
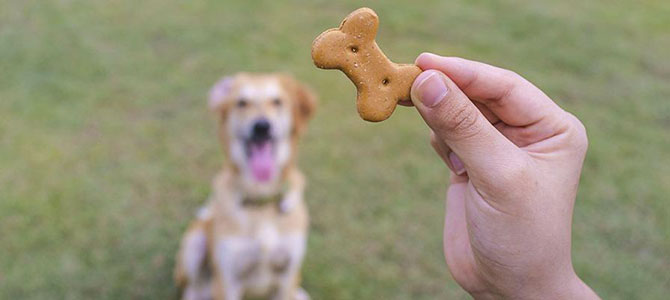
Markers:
point(261, 158)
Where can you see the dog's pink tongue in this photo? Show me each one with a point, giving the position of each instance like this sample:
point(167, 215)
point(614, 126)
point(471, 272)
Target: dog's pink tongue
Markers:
point(261, 161)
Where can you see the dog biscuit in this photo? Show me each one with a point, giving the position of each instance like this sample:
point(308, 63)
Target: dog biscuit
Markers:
point(352, 49)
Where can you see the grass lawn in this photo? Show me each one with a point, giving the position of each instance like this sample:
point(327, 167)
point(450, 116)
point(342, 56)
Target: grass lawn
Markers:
point(107, 148)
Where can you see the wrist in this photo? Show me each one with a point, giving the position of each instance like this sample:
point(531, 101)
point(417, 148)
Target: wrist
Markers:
point(564, 287)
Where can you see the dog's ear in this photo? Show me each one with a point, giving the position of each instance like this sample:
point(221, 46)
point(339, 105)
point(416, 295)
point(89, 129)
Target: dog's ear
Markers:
point(304, 102)
point(219, 93)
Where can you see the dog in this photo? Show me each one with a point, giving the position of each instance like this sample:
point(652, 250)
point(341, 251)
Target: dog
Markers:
point(250, 238)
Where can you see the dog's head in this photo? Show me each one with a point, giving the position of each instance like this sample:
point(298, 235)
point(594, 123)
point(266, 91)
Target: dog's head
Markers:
point(261, 118)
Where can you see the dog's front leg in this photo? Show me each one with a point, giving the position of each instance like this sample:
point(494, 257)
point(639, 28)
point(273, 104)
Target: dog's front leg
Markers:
point(234, 259)
point(289, 282)
point(221, 292)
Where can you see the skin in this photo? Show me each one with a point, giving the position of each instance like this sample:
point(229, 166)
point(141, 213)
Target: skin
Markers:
point(515, 159)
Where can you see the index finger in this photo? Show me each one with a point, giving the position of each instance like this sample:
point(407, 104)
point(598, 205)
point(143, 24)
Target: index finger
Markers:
point(515, 100)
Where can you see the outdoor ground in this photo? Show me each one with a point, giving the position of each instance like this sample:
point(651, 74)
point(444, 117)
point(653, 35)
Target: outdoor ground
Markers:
point(107, 148)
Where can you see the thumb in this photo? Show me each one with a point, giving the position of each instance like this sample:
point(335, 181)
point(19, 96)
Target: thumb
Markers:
point(457, 122)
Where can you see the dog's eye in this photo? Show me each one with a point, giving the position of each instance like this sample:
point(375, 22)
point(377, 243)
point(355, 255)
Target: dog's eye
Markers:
point(276, 102)
point(242, 102)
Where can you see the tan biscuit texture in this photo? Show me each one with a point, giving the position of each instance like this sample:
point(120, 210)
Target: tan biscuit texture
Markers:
point(352, 49)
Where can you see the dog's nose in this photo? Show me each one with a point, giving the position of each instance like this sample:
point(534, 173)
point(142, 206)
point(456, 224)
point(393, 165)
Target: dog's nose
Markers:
point(261, 128)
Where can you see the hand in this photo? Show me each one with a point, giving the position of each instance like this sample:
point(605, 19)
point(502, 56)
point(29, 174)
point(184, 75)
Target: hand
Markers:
point(515, 160)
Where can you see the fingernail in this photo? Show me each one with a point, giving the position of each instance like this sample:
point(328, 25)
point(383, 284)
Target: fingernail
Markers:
point(430, 89)
point(456, 163)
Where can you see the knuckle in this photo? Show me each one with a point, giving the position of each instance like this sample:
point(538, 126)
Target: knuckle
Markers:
point(526, 134)
point(460, 122)
point(509, 81)
point(577, 133)
point(511, 78)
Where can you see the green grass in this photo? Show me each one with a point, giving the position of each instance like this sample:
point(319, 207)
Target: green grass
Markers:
point(107, 149)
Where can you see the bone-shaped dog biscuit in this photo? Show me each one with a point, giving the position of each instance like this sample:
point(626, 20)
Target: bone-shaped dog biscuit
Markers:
point(352, 49)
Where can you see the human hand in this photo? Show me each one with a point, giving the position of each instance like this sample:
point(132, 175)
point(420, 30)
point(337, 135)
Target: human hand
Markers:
point(515, 160)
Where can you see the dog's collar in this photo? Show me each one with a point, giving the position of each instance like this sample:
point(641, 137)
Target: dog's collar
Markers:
point(262, 201)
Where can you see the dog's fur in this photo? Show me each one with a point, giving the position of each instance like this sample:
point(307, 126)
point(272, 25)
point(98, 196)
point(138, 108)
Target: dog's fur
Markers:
point(244, 243)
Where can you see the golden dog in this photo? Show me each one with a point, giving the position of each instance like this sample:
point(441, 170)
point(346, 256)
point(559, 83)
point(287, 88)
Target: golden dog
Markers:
point(249, 239)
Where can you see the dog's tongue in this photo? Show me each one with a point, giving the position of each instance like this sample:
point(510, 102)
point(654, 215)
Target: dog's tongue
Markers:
point(261, 161)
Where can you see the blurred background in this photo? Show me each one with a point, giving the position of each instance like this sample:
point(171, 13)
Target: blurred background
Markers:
point(107, 148)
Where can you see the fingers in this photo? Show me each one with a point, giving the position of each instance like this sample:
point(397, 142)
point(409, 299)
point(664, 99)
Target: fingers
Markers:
point(440, 148)
point(487, 113)
point(456, 121)
point(449, 157)
point(527, 135)
point(512, 98)
point(457, 247)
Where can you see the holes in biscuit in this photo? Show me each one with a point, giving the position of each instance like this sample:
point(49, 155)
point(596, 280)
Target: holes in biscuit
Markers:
point(353, 49)
point(385, 81)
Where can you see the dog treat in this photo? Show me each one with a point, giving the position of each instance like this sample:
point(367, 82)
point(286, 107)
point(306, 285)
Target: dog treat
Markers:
point(352, 49)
